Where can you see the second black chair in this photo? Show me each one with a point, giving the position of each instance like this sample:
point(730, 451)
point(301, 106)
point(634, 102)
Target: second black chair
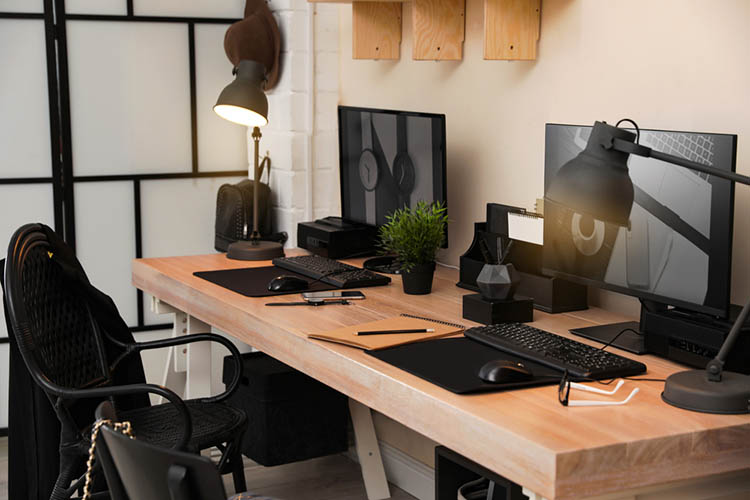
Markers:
point(135, 469)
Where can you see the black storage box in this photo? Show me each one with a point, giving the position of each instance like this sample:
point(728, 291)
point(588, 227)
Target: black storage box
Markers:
point(290, 416)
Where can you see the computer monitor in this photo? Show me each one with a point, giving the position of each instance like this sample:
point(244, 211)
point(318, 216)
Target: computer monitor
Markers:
point(389, 160)
point(677, 250)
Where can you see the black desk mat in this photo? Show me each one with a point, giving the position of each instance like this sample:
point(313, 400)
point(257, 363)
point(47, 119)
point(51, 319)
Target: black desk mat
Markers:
point(253, 281)
point(454, 363)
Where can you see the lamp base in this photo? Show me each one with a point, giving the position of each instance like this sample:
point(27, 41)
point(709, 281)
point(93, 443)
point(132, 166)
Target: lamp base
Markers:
point(254, 250)
point(691, 390)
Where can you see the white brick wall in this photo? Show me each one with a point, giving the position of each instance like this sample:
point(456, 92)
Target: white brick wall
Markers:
point(286, 136)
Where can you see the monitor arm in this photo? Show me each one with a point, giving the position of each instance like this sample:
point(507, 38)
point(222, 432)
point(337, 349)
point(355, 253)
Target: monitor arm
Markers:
point(716, 365)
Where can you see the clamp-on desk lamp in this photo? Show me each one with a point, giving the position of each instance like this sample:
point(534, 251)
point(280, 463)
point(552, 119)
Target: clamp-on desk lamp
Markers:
point(597, 183)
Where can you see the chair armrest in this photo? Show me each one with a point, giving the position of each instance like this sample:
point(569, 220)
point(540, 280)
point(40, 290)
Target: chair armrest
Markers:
point(200, 337)
point(124, 390)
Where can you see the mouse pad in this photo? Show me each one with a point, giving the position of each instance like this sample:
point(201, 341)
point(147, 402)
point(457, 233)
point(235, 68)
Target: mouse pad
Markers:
point(454, 364)
point(253, 281)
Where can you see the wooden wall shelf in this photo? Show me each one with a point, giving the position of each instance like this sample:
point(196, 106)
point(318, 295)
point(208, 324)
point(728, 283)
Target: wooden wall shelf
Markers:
point(511, 29)
point(438, 29)
point(376, 30)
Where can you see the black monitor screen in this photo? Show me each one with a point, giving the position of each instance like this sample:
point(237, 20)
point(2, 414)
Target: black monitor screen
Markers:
point(389, 159)
point(677, 250)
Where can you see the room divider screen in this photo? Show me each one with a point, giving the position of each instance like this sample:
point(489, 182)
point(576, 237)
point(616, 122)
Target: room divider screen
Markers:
point(107, 133)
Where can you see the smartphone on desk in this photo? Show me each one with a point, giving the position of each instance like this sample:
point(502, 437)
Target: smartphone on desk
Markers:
point(333, 295)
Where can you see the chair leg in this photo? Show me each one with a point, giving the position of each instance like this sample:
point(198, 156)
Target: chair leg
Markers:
point(238, 470)
point(63, 489)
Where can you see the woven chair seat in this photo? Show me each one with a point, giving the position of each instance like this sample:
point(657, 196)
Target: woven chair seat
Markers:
point(161, 425)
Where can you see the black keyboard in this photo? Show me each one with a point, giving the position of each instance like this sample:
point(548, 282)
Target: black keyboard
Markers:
point(331, 271)
point(581, 360)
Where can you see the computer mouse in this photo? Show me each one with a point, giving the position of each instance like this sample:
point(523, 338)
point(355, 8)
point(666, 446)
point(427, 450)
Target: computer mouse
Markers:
point(286, 283)
point(500, 371)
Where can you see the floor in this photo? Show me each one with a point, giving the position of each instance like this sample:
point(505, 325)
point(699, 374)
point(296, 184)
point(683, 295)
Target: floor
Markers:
point(331, 478)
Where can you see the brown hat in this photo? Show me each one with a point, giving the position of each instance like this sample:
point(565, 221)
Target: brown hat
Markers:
point(256, 38)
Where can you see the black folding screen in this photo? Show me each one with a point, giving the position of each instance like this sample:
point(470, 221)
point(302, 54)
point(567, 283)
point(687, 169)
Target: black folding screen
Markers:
point(63, 178)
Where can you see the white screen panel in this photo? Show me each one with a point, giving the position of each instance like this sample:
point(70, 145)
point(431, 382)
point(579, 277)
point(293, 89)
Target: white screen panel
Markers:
point(222, 145)
point(178, 219)
point(27, 6)
point(129, 97)
point(19, 205)
point(110, 7)
point(4, 378)
point(24, 106)
point(105, 240)
point(232, 9)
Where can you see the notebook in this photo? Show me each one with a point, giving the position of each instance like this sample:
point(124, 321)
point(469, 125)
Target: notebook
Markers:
point(348, 335)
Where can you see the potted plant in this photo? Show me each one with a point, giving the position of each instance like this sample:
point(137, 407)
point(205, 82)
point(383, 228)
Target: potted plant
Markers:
point(414, 235)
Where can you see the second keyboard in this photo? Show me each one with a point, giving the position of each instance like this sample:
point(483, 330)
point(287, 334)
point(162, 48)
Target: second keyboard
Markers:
point(331, 271)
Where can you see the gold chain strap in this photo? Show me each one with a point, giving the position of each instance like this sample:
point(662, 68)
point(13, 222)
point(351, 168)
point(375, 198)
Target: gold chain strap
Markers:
point(123, 427)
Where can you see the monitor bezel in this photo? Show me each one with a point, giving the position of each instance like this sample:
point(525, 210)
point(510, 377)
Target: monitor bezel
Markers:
point(440, 116)
point(680, 304)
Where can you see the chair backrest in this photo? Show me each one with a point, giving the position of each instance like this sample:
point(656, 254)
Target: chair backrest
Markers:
point(52, 323)
point(148, 472)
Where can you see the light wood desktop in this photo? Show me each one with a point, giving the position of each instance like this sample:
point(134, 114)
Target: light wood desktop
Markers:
point(552, 451)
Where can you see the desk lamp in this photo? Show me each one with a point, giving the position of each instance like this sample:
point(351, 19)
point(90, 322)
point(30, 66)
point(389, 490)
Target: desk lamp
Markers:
point(597, 183)
point(244, 102)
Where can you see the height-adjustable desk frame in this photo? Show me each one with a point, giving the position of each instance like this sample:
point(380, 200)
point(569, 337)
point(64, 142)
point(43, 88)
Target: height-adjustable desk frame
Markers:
point(553, 452)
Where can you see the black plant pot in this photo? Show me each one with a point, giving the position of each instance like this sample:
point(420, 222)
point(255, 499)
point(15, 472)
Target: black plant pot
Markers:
point(418, 281)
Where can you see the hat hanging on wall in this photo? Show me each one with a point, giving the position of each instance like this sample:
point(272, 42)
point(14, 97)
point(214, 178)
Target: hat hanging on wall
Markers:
point(256, 38)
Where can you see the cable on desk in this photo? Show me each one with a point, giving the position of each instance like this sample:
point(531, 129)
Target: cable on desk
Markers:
point(607, 382)
point(618, 335)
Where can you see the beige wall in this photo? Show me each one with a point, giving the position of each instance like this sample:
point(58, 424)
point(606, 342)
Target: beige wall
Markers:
point(669, 64)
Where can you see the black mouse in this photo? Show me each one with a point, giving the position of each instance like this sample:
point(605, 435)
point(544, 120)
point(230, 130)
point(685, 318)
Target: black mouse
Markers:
point(286, 283)
point(499, 371)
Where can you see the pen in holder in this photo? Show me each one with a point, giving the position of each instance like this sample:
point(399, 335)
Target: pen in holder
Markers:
point(497, 302)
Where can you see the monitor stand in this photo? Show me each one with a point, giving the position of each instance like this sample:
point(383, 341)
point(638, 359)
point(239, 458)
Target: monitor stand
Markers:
point(384, 264)
point(628, 341)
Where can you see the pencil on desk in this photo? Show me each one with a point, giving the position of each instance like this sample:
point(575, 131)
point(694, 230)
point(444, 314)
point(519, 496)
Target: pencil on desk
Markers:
point(383, 332)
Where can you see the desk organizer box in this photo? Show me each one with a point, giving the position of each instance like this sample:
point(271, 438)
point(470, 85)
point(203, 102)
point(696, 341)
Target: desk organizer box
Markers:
point(291, 416)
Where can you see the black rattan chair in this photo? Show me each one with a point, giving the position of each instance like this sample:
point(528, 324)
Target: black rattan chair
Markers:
point(135, 469)
point(80, 352)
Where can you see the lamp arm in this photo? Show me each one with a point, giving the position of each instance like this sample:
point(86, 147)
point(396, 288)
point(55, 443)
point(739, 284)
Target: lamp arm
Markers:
point(255, 236)
point(716, 365)
point(638, 150)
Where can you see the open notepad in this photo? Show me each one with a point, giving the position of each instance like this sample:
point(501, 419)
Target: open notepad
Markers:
point(348, 335)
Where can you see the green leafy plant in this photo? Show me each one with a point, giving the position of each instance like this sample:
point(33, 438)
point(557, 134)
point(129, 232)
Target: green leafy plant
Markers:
point(415, 234)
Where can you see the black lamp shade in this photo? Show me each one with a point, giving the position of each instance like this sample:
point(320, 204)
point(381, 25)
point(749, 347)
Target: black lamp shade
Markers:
point(243, 101)
point(597, 182)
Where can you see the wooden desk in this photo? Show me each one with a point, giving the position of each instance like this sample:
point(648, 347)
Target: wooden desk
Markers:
point(554, 452)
